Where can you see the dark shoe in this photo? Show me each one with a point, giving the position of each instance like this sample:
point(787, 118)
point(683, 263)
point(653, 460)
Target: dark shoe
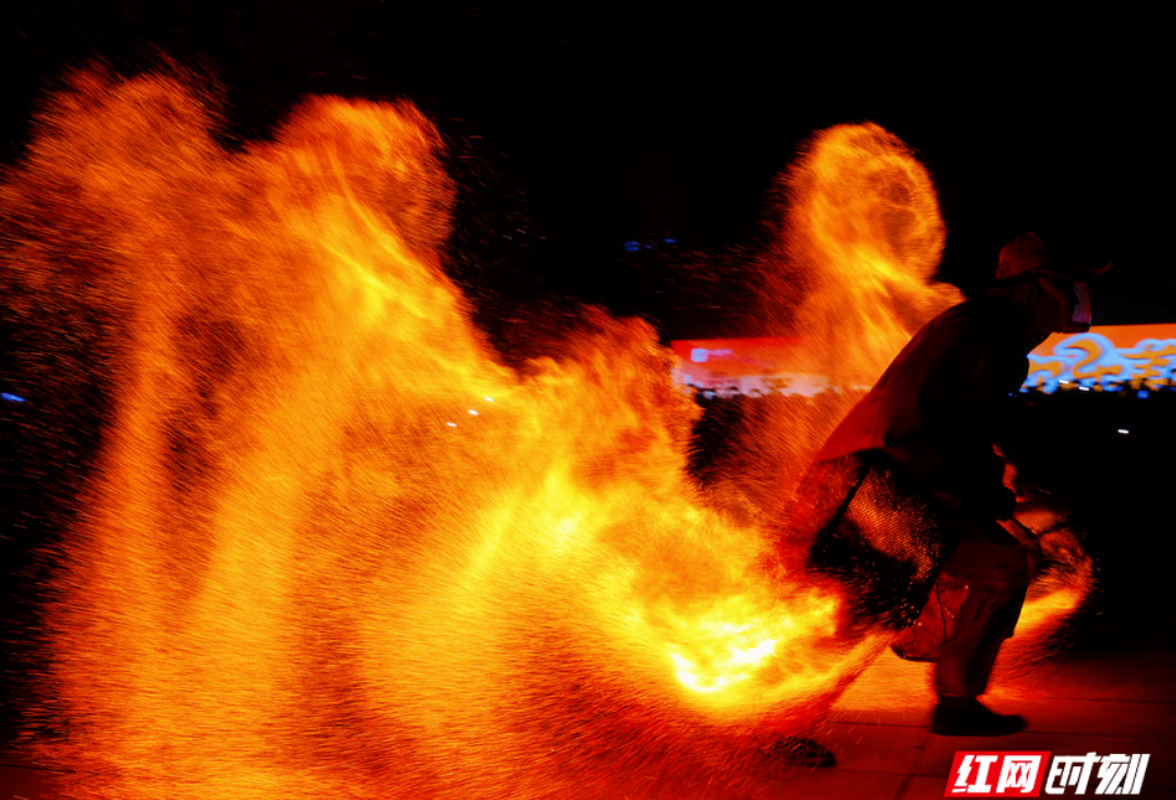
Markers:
point(802, 751)
point(969, 717)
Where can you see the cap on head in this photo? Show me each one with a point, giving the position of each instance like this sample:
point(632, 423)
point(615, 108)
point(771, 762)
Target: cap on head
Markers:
point(1056, 293)
point(1024, 254)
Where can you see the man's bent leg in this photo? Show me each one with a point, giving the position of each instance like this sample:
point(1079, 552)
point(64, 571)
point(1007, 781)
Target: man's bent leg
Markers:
point(995, 568)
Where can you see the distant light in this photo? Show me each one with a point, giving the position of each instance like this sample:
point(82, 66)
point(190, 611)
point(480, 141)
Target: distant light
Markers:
point(12, 398)
point(670, 241)
point(1124, 431)
point(1064, 383)
point(632, 247)
point(1084, 388)
point(489, 399)
point(475, 413)
point(451, 424)
point(1142, 393)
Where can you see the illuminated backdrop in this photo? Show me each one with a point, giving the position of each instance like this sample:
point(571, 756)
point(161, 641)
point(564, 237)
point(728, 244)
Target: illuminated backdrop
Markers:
point(1139, 358)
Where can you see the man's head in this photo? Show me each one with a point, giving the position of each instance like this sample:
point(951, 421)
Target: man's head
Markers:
point(1057, 300)
point(1024, 254)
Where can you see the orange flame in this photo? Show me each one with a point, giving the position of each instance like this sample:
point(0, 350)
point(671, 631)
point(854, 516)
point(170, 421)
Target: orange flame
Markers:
point(334, 546)
point(864, 226)
point(851, 271)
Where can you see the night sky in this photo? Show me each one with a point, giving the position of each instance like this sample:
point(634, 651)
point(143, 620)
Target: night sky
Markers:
point(574, 131)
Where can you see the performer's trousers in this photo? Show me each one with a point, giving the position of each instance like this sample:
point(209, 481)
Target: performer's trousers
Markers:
point(990, 570)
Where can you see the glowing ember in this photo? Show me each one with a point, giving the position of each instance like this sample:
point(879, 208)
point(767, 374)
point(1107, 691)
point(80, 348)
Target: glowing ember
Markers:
point(334, 546)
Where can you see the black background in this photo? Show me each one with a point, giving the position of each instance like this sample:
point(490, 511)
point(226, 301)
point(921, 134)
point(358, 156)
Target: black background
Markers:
point(575, 129)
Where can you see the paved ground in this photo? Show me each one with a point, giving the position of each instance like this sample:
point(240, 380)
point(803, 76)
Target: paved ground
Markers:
point(1106, 703)
point(1120, 702)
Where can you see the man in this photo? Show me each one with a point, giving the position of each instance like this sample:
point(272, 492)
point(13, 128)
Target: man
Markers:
point(907, 494)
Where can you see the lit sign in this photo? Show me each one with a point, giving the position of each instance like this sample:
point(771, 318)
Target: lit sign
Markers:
point(753, 366)
point(1135, 356)
point(1139, 357)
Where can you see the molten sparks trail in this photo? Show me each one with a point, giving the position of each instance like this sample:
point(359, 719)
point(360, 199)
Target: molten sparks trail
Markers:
point(852, 272)
point(864, 225)
point(333, 546)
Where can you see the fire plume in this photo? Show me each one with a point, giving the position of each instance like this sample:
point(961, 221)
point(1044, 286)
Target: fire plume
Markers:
point(851, 272)
point(864, 228)
point(333, 546)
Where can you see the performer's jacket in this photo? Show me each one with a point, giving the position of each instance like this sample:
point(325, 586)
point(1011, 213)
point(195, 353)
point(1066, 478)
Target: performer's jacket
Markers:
point(934, 410)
